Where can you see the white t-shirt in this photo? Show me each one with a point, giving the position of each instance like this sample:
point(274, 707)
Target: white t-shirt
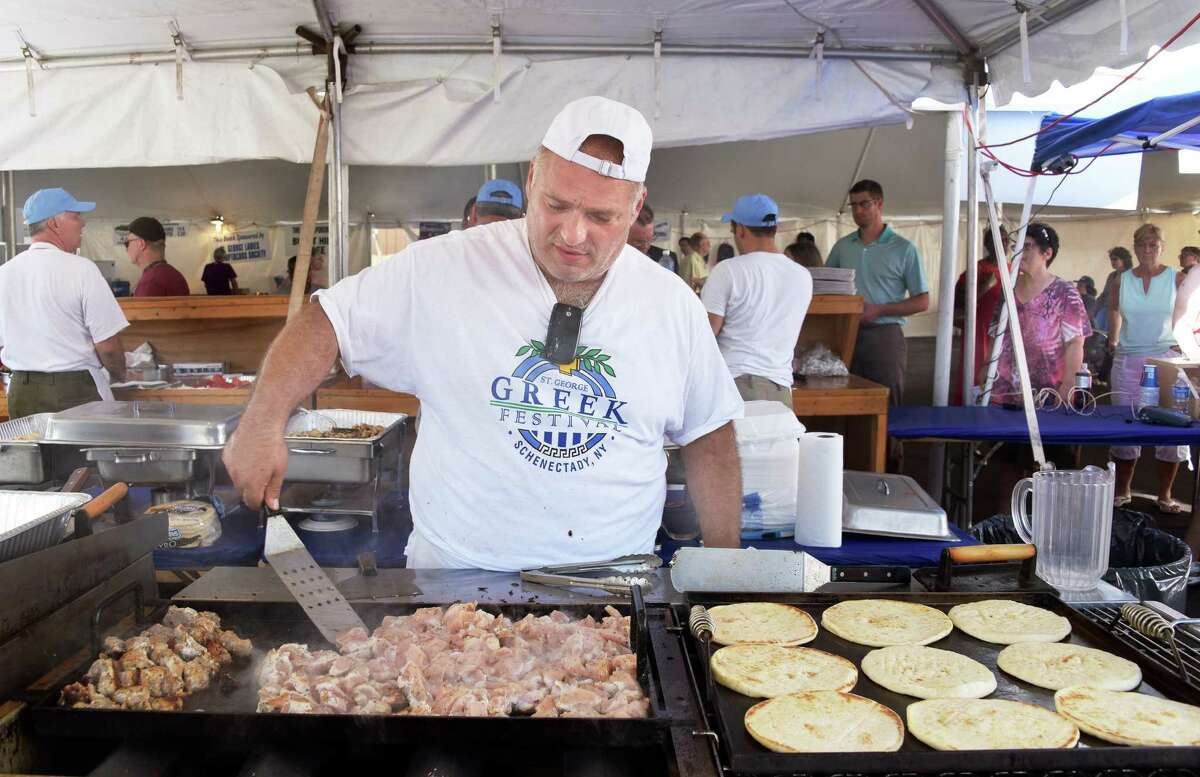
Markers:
point(520, 463)
point(763, 297)
point(54, 308)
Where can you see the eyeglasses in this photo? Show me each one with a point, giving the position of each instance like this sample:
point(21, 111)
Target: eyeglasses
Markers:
point(562, 334)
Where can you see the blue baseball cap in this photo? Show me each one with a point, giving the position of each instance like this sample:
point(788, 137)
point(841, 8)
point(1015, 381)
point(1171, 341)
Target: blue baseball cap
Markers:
point(501, 191)
point(45, 203)
point(754, 210)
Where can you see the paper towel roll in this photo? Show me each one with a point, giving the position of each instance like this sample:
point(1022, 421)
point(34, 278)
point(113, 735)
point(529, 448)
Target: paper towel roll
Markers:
point(819, 490)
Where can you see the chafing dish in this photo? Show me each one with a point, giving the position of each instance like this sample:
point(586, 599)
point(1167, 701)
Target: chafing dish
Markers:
point(891, 506)
point(22, 459)
point(144, 424)
point(357, 472)
point(338, 460)
point(144, 466)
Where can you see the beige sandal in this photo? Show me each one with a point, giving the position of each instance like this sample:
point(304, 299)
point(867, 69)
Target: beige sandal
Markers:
point(1121, 501)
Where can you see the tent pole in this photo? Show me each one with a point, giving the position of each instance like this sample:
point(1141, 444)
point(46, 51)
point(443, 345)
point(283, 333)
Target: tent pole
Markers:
point(335, 263)
point(972, 269)
point(947, 271)
point(949, 259)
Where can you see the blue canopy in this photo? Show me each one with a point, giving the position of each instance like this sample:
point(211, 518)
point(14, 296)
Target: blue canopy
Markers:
point(1088, 137)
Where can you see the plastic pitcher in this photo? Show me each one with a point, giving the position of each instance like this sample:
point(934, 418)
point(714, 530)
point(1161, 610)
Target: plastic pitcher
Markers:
point(1071, 524)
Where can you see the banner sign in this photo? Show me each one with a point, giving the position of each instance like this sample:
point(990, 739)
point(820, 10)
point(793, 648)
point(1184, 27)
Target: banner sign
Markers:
point(245, 246)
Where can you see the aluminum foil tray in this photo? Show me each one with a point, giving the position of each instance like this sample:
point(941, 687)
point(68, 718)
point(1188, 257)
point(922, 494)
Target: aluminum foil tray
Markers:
point(34, 520)
point(15, 430)
point(891, 506)
point(313, 421)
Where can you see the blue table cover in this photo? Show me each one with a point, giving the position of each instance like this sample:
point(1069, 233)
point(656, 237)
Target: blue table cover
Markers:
point(856, 549)
point(1109, 425)
point(242, 541)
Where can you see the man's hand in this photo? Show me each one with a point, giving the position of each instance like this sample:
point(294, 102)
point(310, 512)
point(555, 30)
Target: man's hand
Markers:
point(870, 313)
point(256, 458)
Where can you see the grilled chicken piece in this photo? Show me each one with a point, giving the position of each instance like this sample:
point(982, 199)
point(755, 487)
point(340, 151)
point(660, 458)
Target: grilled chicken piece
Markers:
point(196, 676)
point(127, 678)
point(155, 679)
point(180, 616)
point(76, 694)
point(137, 658)
point(133, 698)
point(187, 647)
point(236, 645)
point(113, 646)
point(100, 703)
point(167, 704)
point(102, 676)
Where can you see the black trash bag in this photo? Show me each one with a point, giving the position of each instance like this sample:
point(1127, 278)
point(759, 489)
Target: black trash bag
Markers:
point(1144, 560)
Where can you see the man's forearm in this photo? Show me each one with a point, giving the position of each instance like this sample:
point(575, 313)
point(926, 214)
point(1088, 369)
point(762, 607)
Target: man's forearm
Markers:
point(907, 307)
point(714, 481)
point(296, 363)
point(112, 358)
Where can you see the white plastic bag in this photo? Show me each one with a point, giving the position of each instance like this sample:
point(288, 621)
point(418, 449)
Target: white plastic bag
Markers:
point(767, 443)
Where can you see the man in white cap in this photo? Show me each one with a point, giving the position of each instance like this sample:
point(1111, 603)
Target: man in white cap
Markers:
point(58, 317)
point(544, 405)
point(756, 303)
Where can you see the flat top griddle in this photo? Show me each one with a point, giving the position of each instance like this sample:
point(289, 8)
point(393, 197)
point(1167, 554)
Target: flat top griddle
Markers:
point(744, 755)
point(226, 710)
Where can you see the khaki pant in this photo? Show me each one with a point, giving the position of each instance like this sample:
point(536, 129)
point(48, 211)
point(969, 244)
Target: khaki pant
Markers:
point(755, 387)
point(30, 393)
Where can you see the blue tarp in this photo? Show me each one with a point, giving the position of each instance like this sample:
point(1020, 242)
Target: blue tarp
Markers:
point(1088, 137)
point(1109, 425)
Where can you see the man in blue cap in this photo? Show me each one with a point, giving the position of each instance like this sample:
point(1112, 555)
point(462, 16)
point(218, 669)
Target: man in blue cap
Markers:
point(498, 200)
point(58, 318)
point(756, 303)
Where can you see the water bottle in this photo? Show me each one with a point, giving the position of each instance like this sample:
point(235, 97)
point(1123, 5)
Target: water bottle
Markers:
point(1181, 392)
point(1083, 386)
point(1148, 393)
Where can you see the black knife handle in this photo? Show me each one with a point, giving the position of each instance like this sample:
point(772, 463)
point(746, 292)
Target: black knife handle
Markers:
point(874, 574)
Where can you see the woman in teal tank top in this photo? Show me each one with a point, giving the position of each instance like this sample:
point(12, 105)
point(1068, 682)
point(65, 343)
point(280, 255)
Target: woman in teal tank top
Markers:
point(1140, 328)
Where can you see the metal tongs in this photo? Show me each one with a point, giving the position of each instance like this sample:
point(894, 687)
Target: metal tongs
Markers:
point(568, 575)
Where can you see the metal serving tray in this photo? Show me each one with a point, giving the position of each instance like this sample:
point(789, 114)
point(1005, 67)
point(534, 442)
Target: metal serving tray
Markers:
point(891, 506)
point(746, 756)
point(328, 460)
point(226, 710)
point(144, 424)
point(144, 466)
point(33, 520)
point(23, 460)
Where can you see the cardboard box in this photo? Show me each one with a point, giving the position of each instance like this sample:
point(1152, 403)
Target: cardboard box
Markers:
point(1168, 373)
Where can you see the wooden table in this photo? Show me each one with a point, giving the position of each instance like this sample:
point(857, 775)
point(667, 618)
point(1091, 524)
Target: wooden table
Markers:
point(862, 403)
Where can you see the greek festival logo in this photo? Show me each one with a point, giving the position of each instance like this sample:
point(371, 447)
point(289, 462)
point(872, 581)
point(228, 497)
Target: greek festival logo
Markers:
point(561, 417)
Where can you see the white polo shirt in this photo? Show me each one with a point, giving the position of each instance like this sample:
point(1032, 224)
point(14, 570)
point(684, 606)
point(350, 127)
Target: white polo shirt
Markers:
point(520, 462)
point(54, 308)
point(763, 297)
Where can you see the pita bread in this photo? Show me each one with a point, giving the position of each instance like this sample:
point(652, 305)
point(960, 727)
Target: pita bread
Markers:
point(761, 623)
point(824, 722)
point(767, 671)
point(1058, 665)
point(1006, 622)
point(883, 622)
point(1129, 718)
point(928, 673)
point(988, 724)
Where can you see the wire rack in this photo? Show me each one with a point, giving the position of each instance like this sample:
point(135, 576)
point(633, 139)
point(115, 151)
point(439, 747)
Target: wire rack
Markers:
point(1187, 639)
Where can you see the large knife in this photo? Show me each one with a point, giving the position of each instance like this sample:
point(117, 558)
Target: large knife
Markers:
point(769, 571)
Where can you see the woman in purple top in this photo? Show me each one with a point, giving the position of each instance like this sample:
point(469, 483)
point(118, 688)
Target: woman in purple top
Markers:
point(1054, 323)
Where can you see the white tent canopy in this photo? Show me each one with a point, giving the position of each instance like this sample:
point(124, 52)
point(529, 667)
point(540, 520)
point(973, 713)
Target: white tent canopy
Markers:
point(420, 87)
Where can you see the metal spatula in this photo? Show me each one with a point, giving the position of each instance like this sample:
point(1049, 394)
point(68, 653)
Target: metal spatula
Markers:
point(322, 602)
point(768, 571)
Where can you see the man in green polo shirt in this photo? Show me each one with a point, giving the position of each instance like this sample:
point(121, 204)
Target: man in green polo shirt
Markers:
point(888, 275)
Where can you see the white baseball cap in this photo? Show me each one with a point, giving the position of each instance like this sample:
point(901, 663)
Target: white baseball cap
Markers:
point(595, 115)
